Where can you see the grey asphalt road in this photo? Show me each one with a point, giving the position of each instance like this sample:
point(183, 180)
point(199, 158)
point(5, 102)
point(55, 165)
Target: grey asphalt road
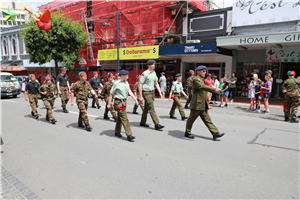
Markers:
point(258, 158)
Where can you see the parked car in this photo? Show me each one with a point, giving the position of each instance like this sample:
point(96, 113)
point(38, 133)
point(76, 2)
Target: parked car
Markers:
point(9, 85)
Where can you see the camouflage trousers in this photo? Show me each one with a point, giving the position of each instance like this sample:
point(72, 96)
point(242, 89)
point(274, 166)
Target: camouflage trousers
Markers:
point(190, 93)
point(141, 103)
point(49, 103)
point(82, 106)
point(122, 119)
point(177, 103)
point(95, 98)
point(65, 96)
point(33, 100)
point(112, 110)
point(291, 106)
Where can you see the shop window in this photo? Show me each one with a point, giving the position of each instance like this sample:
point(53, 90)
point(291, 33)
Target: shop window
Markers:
point(5, 50)
point(14, 46)
point(5, 22)
point(19, 23)
point(9, 22)
point(23, 16)
point(0, 22)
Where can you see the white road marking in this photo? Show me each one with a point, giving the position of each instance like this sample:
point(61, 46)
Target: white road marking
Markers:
point(9, 101)
point(87, 114)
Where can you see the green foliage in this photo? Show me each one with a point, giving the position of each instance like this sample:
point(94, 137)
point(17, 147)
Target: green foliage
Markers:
point(61, 43)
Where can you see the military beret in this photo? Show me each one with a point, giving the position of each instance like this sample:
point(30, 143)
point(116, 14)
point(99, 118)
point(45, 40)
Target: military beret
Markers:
point(163, 73)
point(150, 62)
point(117, 74)
point(201, 67)
point(138, 76)
point(31, 75)
point(109, 75)
point(177, 75)
point(291, 73)
point(63, 68)
point(191, 72)
point(95, 73)
point(80, 74)
point(123, 72)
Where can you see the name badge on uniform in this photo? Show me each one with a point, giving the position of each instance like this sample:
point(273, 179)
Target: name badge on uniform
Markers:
point(66, 78)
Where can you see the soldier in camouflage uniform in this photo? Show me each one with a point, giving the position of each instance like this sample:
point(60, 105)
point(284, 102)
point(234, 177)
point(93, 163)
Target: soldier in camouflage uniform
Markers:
point(105, 94)
point(137, 95)
point(190, 88)
point(82, 89)
point(48, 95)
point(32, 89)
point(290, 88)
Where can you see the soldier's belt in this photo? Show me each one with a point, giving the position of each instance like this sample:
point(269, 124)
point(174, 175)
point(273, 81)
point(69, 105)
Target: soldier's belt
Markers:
point(176, 93)
point(63, 86)
point(120, 99)
point(81, 99)
point(147, 91)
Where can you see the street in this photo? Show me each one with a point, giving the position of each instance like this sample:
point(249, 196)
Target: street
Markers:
point(258, 158)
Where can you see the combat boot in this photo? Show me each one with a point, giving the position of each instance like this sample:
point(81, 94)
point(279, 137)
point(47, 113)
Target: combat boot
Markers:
point(80, 125)
point(293, 120)
point(115, 118)
point(106, 117)
point(186, 106)
point(47, 118)
point(286, 119)
point(53, 121)
point(88, 128)
point(98, 106)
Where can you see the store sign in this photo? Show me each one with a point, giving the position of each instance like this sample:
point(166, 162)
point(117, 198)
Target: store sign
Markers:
point(283, 55)
point(147, 52)
point(274, 38)
point(202, 48)
point(254, 12)
point(11, 68)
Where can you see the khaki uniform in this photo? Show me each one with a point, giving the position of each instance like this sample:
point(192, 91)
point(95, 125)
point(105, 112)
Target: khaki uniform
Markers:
point(199, 106)
point(105, 95)
point(148, 79)
point(48, 99)
point(177, 88)
point(190, 89)
point(141, 103)
point(82, 90)
point(120, 92)
point(292, 96)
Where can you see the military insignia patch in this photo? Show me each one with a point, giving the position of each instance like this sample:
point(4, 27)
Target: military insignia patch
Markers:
point(195, 79)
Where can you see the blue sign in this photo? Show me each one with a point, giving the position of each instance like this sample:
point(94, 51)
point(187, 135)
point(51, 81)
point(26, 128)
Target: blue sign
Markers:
point(201, 48)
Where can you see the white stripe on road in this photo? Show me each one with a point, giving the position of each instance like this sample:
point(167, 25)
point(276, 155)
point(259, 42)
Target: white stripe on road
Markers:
point(87, 114)
point(9, 101)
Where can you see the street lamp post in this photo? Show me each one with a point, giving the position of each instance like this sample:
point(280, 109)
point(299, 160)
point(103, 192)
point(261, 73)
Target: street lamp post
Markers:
point(118, 28)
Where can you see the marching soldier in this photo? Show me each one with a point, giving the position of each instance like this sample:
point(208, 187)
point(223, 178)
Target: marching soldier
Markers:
point(146, 88)
point(117, 77)
point(199, 105)
point(32, 89)
point(48, 95)
point(105, 95)
point(63, 88)
point(137, 95)
point(95, 81)
point(177, 89)
point(190, 88)
point(290, 88)
point(120, 93)
point(82, 89)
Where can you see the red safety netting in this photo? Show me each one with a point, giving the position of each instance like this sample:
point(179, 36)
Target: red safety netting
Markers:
point(59, 4)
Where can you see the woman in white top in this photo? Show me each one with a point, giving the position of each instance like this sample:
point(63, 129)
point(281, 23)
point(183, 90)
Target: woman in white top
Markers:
point(215, 85)
point(251, 90)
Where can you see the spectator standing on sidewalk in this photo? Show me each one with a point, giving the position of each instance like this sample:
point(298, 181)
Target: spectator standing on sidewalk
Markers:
point(225, 91)
point(251, 91)
point(163, 84)
point(221, 86)
point(267, 93)
point(232, 86)
point(209, 82)
point(215, 85)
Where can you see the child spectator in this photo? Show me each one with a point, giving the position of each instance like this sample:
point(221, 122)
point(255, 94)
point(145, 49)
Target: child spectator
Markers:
point(267, 93)
point(257, 94)
point(221, 93)
point(251, 93)
point(225, 91)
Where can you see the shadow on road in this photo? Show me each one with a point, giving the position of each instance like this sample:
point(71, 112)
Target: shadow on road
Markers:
point(240, 108)
point(107, 120)
point(178, 134)
point(206, 138)
point(74, 125)
point(273, 118)
point(58, 111)
point(111, 133)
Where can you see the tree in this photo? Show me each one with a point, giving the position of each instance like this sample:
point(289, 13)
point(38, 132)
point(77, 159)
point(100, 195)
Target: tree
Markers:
point(62, 43)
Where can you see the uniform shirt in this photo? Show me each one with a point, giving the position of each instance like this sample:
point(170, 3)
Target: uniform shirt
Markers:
point(49, 89)
point(177, 87)
point(33, 88)
point(62, 79)
point(163, 81)
point(94, 82)
point(81, 90)
point(148, 79)
point(291, 91)
point(136, 88)
point(120, 90)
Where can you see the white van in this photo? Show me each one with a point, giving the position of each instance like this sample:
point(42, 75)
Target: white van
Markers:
point(9, 85)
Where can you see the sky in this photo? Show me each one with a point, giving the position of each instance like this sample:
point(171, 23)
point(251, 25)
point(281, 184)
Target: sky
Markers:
point(35, 3)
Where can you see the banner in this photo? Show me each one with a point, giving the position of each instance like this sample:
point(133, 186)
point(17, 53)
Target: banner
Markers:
point(283, 55)
point(132, 53)
point(255, 12)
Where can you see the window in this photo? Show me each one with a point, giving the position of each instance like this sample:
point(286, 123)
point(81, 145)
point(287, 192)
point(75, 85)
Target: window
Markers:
point(13, 5)
point(18, 16)
point(9, 22)
point(5, 23)
point(18, 23)
point(23, 16)
point(0, 22)
point(14, 46)
point(5, 50)
point(23, 22)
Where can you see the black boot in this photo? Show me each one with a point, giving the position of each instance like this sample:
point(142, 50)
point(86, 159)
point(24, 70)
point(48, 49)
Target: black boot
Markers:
point(144, 124)
point(53, 121)
point(93, 106)
point(88, 128)
point(186, 106)
point(32, 113)
point(130, 138)
point(183, 118)
point(65, 110)
point(293, 120)
point(172, 117)
point(158, 127)
point(36, 116)
point(98, 106)
point(118, 134)
point(47, 118)
point(80, 125)
point(106, 117)
point(218, 135)
point(286, 119)
point(189, 136)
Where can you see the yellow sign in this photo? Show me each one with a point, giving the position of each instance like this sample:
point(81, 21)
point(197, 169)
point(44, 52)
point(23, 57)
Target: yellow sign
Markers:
point(132, 53)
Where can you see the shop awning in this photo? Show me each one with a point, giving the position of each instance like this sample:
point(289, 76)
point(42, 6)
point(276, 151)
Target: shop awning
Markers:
point(11, 68)
point(261, 41)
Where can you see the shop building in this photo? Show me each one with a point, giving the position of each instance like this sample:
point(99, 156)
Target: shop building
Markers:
point(266, 36)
